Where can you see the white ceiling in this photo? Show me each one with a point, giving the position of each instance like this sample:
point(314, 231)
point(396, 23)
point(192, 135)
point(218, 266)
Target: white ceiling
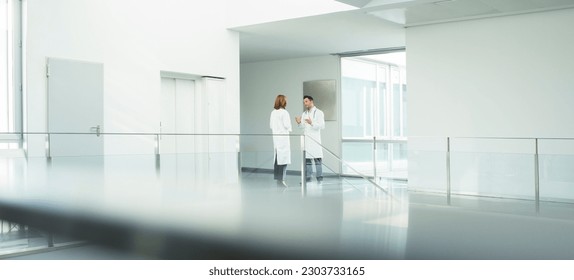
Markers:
point(373, 25)
point(317, 35)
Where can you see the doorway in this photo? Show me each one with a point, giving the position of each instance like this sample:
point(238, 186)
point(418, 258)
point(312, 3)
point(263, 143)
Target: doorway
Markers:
point(374, 110)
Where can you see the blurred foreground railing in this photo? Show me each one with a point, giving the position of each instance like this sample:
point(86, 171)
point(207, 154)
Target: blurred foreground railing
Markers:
point(97, 170)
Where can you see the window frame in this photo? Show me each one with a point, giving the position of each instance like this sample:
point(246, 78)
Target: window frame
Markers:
point(12, 94)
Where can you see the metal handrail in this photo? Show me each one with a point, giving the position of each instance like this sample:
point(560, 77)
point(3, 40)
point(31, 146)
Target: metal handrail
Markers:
point(144, 133)
point(349, 166)
point(379, 140)
point(157, 135)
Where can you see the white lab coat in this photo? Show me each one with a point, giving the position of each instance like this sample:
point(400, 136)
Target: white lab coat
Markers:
point(313, 146)
point(280, 124)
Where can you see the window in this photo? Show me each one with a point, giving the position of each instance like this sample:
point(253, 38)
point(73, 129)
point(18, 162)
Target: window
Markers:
point(374, 98)
point(10, 74)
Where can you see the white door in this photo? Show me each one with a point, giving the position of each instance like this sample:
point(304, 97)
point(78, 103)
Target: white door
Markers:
point(203, 155)
point(221, 146)
point(177, 115)
point(178, 158)
point(75, 105)
point(215, 89)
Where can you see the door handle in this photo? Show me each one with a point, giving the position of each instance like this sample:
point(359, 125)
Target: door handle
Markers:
point(95, 129)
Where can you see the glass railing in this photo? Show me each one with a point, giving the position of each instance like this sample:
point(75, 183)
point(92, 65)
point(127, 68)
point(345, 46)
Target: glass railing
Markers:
point(216, 187)
point(350, 172)
point(111, 173)
point(380, 158)
point(538, 169)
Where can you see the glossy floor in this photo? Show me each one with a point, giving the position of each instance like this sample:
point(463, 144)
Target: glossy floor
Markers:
point(250, 216)
point(399, 224)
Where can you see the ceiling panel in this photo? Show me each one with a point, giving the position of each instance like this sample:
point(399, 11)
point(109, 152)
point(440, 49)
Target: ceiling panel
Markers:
point(418, 12)
point(318, 35)
point(466, 7)
point(378, 24)
point(551, 3)
point(356, 3)
point(506, 6)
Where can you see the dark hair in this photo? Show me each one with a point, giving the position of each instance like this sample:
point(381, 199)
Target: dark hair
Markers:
point(308, 97)
point(280, 102)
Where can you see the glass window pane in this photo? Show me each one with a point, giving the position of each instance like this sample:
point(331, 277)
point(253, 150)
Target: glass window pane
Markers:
point(397, 101)
point(382, 158)
point(4, 67)
point(382, 102)
point(359, 70)
point(358, 86)
point(374, 104)
point(358, 156)
point(10, 80)
point(404, 110)
point(399, 169)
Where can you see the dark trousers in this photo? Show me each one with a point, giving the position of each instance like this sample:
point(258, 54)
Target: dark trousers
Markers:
point(279, 171)
point(318, 168)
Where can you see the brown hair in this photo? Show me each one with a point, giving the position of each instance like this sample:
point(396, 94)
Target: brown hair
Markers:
point(280, 102)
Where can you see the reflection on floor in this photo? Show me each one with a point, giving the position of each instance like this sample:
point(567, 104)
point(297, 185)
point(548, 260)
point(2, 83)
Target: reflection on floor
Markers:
point(15, 237)
point(394, 223)
point(77, 252)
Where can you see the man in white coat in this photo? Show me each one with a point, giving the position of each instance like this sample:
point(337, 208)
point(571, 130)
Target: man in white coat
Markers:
point(312, 121)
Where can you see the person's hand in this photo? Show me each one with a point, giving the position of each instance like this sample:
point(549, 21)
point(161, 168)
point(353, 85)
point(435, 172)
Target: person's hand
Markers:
point(309, 121)
point(298, 120)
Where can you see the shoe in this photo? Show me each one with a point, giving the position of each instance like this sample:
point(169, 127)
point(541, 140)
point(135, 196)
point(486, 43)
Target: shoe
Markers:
point(281, 183)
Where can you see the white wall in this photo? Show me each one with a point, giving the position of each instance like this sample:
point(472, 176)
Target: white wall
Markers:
point(505, 77)
point(135, 40)
point(260, 84)
point(499, 77)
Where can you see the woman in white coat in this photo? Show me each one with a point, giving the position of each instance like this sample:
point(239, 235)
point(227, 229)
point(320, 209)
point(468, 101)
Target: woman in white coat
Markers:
point(280, 124)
